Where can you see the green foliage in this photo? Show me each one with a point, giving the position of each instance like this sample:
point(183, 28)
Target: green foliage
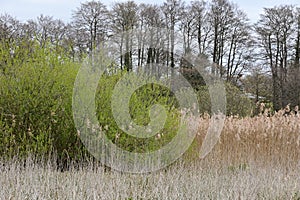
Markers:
point(139, 107)
point(36, 86)
point(259, 85)
point(35, 106)
point(237, 102)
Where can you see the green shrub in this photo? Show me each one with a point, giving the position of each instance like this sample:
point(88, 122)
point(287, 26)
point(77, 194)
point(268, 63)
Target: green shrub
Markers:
point(139, 106)
point(237, 102)
point(36, 109)
point(35, 106)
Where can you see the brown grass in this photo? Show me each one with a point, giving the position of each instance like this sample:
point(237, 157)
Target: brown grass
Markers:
point(255, 158)
point(264, 140)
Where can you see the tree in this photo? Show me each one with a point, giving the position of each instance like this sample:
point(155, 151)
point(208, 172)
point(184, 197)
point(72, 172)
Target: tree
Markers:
point(187, 24)
point(202, 28)
point(223, 32)
point(293, 80)
point(239, 47)
point(90, 22)
point(297, 46)
point(47, 30)
point(275, 29)
point(10, 39)
point(9, 28)
point(172, 10)
point(151, 21)
point(220, 18)
point(123, 19)
point(258, 83)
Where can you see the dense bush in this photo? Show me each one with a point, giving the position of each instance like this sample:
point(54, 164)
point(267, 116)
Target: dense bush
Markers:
point(35, 106)
point(36, 109)
point(139, 107)
point(237, 102)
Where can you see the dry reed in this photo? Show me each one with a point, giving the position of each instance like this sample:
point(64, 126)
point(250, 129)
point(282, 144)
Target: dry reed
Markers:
point(255, 158)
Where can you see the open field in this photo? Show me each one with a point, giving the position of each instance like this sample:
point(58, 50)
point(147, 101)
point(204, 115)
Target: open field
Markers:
point(255, 158)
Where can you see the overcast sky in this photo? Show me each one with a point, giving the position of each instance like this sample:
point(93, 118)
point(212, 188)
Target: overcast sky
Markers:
point(62, 9)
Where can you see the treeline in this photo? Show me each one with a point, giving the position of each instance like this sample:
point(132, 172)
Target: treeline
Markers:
point(268, 52)
point(40, 58)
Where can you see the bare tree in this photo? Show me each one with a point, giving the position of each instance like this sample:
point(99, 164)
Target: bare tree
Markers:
point(275, 29)
point(239, 46)
point(187, 24)
point(293, 80)
point(71, 42)
point(90, 20)
point(47, 30)
point(297, 46)
point(124, 18)
point(203, 29)
point(172, 10)
point(220, 17)
point(10, 28)
point(152, 20)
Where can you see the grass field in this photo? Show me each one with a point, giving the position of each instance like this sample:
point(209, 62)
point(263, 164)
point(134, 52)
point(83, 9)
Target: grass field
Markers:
point(255, 158)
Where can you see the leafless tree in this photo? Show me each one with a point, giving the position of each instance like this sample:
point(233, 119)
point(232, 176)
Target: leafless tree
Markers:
point(293, 80)
point(172, 10)
point(10, 28)
point(203, 29)
point(239, 47)
point(297, 47)
point(47, 30)
point(90, 22)
point(152, 20)
point(124, 18)
point(275, 29)
point(220, 17)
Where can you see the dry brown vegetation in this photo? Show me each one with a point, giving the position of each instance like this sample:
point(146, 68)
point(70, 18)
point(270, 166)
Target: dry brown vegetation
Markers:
point(255, 158)
point(262, 139)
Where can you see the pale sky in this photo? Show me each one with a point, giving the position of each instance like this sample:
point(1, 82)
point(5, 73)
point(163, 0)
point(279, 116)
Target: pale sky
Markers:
point(62, 9)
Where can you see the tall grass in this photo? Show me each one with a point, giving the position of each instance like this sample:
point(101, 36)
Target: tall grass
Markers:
point(255, 158)
point(200, 180)
point(268, 139)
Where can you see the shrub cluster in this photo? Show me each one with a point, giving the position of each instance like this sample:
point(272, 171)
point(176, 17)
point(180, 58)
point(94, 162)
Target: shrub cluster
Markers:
point(36, 107)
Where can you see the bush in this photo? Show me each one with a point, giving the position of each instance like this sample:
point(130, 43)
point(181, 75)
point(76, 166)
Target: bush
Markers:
point(237, 102)
point(36, 109)
point(35, 106)
point(139, 107)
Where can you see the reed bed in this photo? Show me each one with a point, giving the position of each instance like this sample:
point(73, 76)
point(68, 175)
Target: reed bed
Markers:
point(255, 158)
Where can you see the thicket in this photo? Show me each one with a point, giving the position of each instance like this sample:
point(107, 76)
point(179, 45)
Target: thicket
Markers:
point(36, 86)
point(36, 104)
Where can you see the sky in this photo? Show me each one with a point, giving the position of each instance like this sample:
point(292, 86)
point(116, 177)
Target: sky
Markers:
point(62, 9)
